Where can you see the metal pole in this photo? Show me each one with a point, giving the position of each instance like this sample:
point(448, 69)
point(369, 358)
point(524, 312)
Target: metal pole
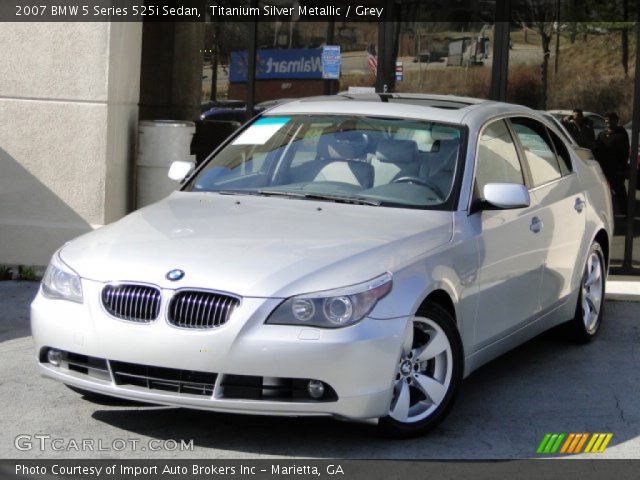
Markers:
point(382, 46)
point(251, 63)
point(214, 61)
point(500, 63)
point(633, 165)
point(331, 34)
point(555, 67)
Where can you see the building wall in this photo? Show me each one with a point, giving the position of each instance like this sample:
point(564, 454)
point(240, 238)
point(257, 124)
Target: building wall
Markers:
point(68, 113)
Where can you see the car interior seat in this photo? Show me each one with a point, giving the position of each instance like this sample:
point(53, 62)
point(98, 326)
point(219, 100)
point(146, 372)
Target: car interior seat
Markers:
point(437, 166)
point(341, 158)
point(394, 159)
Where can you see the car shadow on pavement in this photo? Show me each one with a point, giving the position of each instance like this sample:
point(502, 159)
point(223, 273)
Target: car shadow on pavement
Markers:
point(504, 410)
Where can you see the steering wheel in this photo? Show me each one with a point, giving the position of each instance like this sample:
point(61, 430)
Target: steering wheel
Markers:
point(419, 181)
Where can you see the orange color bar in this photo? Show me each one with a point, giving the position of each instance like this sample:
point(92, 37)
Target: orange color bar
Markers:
point(584, 439)
point(566, 444)
point(576, 439)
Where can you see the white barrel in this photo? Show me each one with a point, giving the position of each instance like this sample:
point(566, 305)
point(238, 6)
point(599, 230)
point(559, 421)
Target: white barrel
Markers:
point(160, 142)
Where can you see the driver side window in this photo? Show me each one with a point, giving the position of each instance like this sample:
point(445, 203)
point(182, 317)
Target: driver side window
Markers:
point(497, 159)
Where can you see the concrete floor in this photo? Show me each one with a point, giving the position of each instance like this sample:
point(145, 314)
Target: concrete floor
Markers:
point(504, 409)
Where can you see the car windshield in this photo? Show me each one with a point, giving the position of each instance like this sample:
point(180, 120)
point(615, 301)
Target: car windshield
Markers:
point(349, 159)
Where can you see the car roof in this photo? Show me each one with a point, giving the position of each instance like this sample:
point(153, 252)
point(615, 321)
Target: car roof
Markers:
point(439, 108)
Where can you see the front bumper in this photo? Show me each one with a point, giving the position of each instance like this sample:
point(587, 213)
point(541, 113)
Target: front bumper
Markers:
point(357, 362)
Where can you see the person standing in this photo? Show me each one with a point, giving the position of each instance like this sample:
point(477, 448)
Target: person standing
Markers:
point(580, 128)
point(611, 150)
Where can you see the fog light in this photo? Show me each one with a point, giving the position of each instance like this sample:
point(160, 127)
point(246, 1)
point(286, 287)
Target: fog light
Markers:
point(315, 388)
point(54, 357)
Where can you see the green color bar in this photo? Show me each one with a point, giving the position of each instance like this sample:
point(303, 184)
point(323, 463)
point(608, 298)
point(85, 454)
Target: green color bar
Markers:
point(556, 446)
point(543, 443)
point(550, 443)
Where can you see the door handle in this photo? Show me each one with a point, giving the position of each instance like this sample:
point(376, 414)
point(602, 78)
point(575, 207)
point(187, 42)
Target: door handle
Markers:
point(536, 225)
point(579, 205)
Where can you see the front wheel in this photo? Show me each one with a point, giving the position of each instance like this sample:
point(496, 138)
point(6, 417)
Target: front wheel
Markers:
point(428, 374)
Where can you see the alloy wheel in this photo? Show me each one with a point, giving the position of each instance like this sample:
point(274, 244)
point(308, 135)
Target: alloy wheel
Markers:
point(424, 372)
point(592, 292)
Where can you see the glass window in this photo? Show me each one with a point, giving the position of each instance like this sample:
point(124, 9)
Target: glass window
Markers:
point(561, 150)
point(497, 160)
point(538, 151)
point(390, 162)
point(597, 121)
point(443, 57)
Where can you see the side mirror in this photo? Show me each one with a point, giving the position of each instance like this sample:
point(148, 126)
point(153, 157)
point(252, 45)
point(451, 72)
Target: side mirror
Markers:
point(506, 196)
point(179, 170)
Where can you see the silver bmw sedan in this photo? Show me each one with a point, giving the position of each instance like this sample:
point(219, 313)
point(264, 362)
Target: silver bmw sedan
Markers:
point(353, 256)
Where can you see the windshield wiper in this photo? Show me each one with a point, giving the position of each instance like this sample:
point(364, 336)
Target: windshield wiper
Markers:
point(236, 192)
point(343, 199)
point(303, 195)
point(320, 196)
point(281, 193)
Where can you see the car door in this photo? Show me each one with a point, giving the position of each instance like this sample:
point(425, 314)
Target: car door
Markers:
point(557, 191)
point(510, 250)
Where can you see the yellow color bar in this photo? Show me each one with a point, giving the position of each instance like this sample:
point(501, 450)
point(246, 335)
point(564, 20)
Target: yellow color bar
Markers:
point(605, 442)
point(596, 446)
point(594, 437)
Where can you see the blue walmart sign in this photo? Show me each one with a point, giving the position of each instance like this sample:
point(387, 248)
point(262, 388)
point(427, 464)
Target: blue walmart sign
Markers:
point(271, 64)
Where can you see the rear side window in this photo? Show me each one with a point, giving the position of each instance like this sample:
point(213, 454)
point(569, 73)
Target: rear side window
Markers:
point(562, 152)
point(538, 150)
point(598, 122)
point(497, 160)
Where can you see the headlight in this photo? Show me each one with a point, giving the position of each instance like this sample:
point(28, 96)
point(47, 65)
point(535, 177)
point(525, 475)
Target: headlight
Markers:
point(60, 281)
point(332, 308)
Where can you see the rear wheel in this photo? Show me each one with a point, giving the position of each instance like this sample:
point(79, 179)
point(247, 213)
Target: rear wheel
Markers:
point(590, 308)
point(428, 374)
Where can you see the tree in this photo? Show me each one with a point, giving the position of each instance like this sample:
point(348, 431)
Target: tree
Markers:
point(541, 16)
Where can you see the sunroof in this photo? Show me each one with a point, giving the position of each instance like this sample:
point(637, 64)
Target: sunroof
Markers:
point(423, 102)
point(415, 99)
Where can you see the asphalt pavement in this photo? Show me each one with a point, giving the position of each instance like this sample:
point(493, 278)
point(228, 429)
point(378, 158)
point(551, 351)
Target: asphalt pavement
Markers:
point(503, 412)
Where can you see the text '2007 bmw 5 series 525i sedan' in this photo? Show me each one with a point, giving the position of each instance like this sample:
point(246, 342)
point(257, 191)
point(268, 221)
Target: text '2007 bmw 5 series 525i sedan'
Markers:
point(354, 256)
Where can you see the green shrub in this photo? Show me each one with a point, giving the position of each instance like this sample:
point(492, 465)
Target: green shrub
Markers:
point(524, 86)
point(27, 273)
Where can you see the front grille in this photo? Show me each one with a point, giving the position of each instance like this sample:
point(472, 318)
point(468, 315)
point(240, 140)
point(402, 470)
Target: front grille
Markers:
point(197, 309)
point(137, 303)
point(85, 364)
point(189, 382)
point(160, 378)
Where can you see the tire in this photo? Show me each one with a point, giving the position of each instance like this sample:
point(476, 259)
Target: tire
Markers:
point(585, 325)
point(428, 375)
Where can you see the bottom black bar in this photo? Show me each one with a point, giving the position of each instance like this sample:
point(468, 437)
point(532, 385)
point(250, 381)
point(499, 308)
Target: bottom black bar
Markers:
point(583, 469)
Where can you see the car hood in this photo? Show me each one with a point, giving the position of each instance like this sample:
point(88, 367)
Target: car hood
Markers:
point(256, 246)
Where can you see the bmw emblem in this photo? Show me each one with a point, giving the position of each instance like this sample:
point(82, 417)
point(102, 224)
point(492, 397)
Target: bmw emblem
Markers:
point(175, 274)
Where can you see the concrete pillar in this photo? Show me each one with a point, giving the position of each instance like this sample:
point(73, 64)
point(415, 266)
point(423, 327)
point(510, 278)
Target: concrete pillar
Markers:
point(171, 77)
point(68, 113)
